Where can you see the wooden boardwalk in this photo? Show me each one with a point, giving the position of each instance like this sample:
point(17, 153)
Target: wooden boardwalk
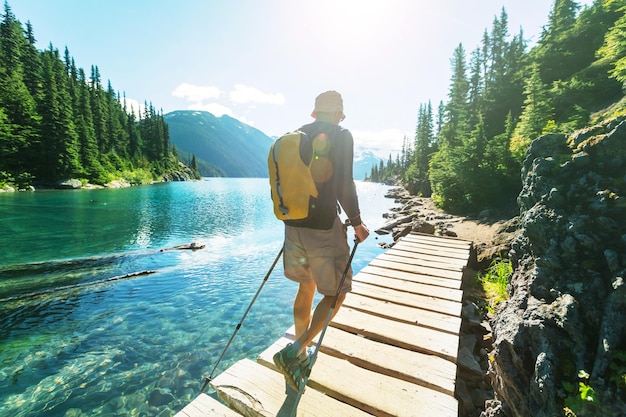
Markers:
point(390, 350)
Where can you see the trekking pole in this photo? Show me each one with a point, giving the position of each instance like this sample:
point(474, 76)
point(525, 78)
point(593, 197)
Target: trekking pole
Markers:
point(208, 379)
point(319, 341)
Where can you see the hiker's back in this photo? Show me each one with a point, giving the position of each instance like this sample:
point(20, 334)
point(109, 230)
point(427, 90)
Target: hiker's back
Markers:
point(326, 162)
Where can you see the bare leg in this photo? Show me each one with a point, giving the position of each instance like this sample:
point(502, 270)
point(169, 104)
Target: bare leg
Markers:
point(302, 307)
point(319, 319)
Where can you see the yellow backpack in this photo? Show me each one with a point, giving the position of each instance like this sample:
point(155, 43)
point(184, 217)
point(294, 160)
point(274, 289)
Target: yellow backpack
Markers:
point(290, 176)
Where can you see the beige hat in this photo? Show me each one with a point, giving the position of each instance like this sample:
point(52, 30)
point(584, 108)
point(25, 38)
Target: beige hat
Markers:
point(328, 102)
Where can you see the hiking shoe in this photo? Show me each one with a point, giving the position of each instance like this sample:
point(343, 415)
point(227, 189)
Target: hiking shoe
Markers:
point(292, 365)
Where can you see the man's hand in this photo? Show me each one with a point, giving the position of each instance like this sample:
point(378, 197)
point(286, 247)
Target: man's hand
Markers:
point(361, 232)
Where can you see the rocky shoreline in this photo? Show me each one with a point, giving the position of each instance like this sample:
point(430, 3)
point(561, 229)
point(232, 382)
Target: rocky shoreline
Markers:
point(490, 231)
point(182, 174)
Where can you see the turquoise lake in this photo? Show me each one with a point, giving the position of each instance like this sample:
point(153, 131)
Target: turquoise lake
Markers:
point(75, 342)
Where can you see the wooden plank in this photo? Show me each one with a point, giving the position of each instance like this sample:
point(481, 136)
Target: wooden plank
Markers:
point(438, 241)
point(409, 286)
point(255, 390)
point(424, 302)
point(453, 255)
point(423, 260)
point(205, 406)
point(411, 276)
point(375, 393)
point(405, 314)
point(434, 244)
point(407, 336)
point(442, 246)
point(416, 269)
point(427, 370)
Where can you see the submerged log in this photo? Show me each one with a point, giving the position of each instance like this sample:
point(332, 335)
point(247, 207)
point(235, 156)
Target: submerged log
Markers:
point(192, 246)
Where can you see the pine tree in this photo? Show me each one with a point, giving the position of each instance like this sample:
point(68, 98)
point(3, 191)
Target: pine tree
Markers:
point(476, 87)
point(456, 124)
point(31, 63)
point(562, 17)
point(552, 52)
point(60, 142)
point(115, 118)
point(89, 154)
point(441, 114)
point(98, 111)
point(501, 167)
point(134, 138)
point(405, 153)
point(536, 114)
point(614, 48)
point(445, 174)
point(504, 81)
point(11, 41)
point(417, 173)
point(166, 135)
point(20, 121)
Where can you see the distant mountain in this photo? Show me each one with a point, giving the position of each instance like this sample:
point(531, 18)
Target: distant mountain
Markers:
point(226, 147)
point(220, 144)
point(363, 162)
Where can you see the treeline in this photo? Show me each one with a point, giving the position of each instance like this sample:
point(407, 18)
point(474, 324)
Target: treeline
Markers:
point(57, 123)
point(468, 153)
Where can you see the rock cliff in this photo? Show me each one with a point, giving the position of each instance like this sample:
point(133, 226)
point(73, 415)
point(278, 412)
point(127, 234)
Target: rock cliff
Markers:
point(184, 173)
point(567, 297)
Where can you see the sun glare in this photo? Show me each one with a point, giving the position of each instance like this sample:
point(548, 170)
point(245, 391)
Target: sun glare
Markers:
point(356, 14)
point(353, 21)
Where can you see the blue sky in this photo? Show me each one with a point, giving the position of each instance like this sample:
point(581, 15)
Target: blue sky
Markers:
point(264, 61)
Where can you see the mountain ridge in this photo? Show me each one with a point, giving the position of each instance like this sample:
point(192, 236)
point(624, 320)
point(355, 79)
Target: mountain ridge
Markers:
point(226, 147)
point(222, 142)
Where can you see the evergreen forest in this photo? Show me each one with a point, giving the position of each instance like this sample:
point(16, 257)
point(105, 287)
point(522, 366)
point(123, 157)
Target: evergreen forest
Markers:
point(467, 153)
point(57, 122)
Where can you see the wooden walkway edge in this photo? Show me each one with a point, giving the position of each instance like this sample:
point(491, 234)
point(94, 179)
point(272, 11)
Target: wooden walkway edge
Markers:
point(391, 350)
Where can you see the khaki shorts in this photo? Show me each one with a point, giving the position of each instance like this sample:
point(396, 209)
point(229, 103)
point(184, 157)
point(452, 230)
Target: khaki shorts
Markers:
point(318, 256)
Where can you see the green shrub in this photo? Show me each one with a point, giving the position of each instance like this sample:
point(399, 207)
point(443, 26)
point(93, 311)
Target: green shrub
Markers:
point(138, 176)
point(583, 399)
point(494, 281)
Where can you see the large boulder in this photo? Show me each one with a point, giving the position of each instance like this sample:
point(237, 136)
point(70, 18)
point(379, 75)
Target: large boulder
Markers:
point(69, 184)
point(567, 296)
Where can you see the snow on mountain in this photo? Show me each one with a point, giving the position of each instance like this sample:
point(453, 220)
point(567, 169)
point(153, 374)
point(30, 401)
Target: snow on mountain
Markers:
point(364, 160)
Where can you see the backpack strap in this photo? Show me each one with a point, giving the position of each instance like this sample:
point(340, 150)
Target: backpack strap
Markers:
point(279, 189)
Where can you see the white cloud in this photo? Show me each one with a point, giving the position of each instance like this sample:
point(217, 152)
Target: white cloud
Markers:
point(244, 94)
point(203, 98)
point(215, 109)
point(388, 141)
point(133, 105)
point(196, 93)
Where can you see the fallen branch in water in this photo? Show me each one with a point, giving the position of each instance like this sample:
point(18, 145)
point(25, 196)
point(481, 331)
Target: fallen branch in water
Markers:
point(82, 284)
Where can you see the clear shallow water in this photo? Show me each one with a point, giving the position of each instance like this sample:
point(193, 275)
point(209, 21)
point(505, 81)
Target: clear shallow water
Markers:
point(74, 344)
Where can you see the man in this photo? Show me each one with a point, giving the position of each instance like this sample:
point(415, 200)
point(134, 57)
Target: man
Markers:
point(316, 251)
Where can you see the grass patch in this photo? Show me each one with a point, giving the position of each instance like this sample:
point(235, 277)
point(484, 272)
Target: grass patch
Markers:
point(494, 281)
